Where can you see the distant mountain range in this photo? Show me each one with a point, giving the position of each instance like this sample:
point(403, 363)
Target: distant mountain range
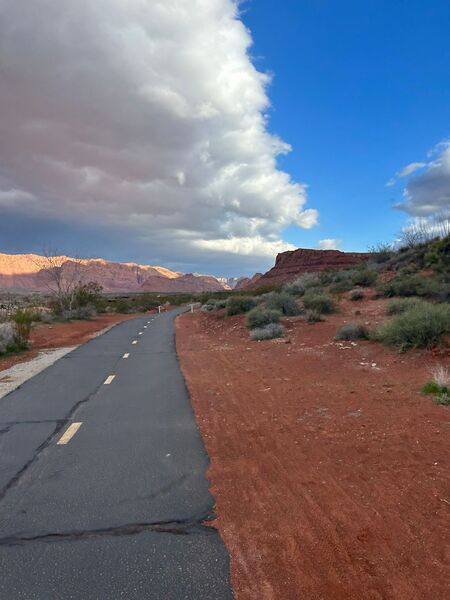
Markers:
point(29, 272)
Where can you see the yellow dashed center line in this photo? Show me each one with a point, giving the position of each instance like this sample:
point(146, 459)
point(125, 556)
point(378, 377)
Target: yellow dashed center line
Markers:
point(69, 433)
point(109, 379)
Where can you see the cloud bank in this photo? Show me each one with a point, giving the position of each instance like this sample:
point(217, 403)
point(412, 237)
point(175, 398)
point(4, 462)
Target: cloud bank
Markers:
point(428, 192)
point(142, 115)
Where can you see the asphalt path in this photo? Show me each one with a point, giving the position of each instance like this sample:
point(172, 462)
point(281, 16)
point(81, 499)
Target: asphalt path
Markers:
point(103, 489)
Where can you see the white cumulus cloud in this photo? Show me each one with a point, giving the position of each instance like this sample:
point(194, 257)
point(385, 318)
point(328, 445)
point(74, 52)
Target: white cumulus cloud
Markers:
point(428, 192)
point(147, 115)
point(329, 244)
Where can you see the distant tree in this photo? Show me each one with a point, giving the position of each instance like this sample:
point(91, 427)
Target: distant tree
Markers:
point(62, 277)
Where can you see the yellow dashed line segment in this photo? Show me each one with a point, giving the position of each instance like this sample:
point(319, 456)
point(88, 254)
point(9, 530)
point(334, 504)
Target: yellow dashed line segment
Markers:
point(69, 433)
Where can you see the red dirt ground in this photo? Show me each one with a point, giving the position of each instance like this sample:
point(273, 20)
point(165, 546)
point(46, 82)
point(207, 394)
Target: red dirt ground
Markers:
point(60, 335)
point(329, 468)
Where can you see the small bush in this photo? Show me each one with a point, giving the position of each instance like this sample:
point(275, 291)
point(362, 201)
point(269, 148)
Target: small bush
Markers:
point(422, 326)
point(399, 306)
point(24, 320)
point(313, 316)
point(351, 331)
point(318, 301)
point(299, 286)
point(210, 304)
point(356, 295)
point(363, 277)
point(269, 332)
point(82, 313)
point(439, 386)
point(410, 285)
point(261, 316)
point(122, 306)
point(237, 305)
point(443, 399)
point(284, 303)
point(7, 336)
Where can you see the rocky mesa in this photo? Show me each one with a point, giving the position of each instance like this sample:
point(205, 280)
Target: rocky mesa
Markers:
point(29, 272)
point(291, 264)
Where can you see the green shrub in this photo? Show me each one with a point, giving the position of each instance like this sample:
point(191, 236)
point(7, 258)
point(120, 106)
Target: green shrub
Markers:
point(318, 301)
point(24, 320)
point(400, 305)
point(237, 305)
point(410, 285)
point(438, 255)
point(351, 331)
point(122, 306)
point(268, 332)
point(363, 277)
point(422, 326)
point(313, 316)
point(261, 316)
point(284, 303)
point(356, 295)
point(439, 386)
point(443, 399)
point(299, 286)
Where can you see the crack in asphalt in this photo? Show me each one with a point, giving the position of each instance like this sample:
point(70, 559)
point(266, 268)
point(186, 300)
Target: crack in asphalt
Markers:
point(174, 527)
point(10, 424)
point(6, 429)
point(60, 424)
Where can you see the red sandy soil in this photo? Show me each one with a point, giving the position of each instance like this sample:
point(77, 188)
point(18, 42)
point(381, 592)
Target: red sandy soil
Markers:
point(331, 477)
point(61, 335)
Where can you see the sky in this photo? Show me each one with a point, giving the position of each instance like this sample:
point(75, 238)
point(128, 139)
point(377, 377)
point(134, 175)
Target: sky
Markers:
point(208, 136)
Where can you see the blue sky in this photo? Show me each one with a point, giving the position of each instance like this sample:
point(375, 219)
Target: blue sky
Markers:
point(159, 139)
point(360, 89)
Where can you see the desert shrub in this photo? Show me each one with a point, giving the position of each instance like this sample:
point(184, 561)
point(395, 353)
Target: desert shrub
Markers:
point(82, 313)
point(422, 326)
point(214, 304)
point(284, 303)
point(312, 316)
point(363, 277)
point(442, 399)
point(318, 301)
point(345, 285)
point(261, 316)
point(400, 305)
point(221, 304)
point(24, 320)
point(268, 332)
point(122, 306)
point(410, 285)
point(351, 331)
point(86, 294)
point(356, 295)
point(210, 305)
point(7, 336)
point(438, 255)
point(299, 286)
point(439, 386)
point(237, 305)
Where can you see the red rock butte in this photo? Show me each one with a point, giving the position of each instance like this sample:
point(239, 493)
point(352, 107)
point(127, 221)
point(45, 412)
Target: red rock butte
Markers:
point(291, 264)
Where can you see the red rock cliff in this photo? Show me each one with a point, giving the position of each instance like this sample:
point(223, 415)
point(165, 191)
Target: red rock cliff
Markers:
point(291, 264)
